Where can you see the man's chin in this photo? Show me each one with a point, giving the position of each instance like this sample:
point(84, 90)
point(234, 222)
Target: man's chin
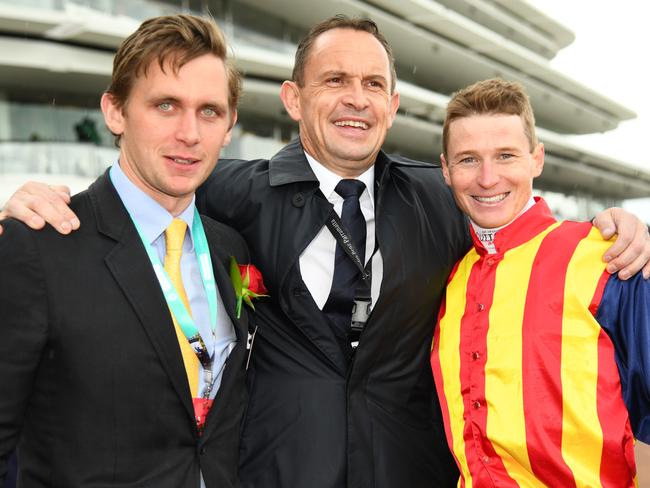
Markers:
point(358, 159)
point(489, 222)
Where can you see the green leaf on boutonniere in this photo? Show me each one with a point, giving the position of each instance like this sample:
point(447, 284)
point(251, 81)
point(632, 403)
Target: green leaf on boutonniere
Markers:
point(240, 275)
point(235, 277)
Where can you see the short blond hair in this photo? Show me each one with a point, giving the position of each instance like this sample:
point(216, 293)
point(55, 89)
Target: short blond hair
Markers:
point(176, 39)
point(494, 96)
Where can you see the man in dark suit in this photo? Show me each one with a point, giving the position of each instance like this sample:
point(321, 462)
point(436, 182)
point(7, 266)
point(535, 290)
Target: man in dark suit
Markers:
point(332, 405)
point(117, 370)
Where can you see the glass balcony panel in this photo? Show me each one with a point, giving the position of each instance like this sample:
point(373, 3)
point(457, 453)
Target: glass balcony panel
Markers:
point(50, 122)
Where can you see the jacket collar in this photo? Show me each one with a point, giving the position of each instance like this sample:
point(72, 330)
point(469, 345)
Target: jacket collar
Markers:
point(112, 217)
point(290, 165)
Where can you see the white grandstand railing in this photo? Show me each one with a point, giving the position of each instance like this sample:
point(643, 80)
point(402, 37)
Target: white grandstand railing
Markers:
point(136, 9)
point(79, 159)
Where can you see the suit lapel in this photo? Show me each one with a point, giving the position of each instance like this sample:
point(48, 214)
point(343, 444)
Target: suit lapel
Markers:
point(304, 215)
point(221, 268)
point(131, 268)
point(233, 370)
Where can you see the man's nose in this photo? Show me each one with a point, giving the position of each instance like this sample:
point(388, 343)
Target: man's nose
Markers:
point(356, 96)
point(488, 174)
point(187, 130)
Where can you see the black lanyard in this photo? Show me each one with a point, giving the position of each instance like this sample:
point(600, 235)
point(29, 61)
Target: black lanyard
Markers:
point(362, 294)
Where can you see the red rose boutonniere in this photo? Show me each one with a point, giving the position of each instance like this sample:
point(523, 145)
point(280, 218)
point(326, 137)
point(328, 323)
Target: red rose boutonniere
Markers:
point(248, 284)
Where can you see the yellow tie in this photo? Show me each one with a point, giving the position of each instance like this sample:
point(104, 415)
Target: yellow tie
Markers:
point(174, 236)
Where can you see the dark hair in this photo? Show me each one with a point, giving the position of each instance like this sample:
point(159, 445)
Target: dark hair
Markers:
point(339, 21)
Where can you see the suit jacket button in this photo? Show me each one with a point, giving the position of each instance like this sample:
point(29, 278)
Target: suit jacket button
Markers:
point(298, 200)
point(202, 451)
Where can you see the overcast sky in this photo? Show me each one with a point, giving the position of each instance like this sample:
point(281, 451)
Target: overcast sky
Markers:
point(610, 55)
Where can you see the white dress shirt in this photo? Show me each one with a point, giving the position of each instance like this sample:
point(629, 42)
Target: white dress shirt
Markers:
point(317, 260)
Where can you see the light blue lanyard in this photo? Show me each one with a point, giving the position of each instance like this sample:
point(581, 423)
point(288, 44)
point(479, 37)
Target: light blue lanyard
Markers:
point(183, 317)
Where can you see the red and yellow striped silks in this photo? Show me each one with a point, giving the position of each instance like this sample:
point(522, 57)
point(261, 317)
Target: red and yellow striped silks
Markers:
point(526, 377)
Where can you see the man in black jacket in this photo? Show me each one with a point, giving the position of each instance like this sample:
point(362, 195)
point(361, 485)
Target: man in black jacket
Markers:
point(333, 406)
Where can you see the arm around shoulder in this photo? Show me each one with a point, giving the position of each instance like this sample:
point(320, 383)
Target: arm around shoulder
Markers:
point(234, 191)
point(216, 196)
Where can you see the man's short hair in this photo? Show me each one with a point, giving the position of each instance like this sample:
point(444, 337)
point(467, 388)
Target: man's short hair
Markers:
point(491, 97)
point(177, 39)
point(339, 21)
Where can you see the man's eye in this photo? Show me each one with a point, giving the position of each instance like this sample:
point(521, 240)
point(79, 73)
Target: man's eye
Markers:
point(165, 106)
point(375, 84)
point(467, 161)
point(505, 156)
point(209, 112)
point(335, 80)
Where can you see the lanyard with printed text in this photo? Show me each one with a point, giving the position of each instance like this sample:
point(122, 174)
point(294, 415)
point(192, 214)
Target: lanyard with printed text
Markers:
point(343, 238)
point(362, 304)
point(176, 305)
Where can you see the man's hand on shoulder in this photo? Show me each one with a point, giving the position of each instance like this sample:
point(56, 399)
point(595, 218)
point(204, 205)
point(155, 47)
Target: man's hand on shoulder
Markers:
point(631, 251)
point(37, 204)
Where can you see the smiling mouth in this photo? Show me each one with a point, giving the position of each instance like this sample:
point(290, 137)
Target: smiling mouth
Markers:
point(183, 161)
point(493, 199)
point(352, 123)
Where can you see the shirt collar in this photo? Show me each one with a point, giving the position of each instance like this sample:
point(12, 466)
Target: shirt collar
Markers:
point(490, 233)
point(328, 179)
point(151, 217)
point(530, 222)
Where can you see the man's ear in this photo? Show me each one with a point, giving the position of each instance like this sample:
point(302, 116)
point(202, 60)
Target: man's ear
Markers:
point(290, 96)
point(445, 169)
point(113, 115)
point(538, 160)
point(228, 137)
point(394, 105)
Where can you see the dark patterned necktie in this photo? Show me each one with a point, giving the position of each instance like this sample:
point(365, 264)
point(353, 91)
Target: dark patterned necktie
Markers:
point(346, 274)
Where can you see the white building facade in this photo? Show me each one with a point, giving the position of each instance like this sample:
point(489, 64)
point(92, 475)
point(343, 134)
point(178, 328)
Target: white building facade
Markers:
point(55, 61)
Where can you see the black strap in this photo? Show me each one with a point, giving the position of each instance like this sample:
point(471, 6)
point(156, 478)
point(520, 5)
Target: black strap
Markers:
point(362, 296)
point(342, 237)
